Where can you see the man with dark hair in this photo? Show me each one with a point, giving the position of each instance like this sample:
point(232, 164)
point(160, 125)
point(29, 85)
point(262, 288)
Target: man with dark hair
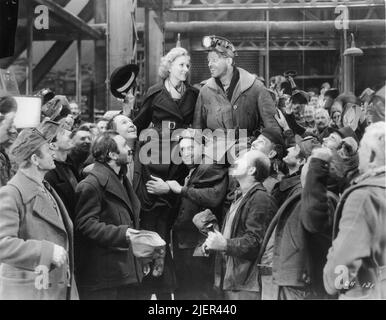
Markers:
point(271, 143)
point(295, 242)
point(289, 186)
point(8, 134)
point(233, 98)
point(243, 229)
point(205, 188)
point(62, 178)
point(81, 151)
point(107, 212)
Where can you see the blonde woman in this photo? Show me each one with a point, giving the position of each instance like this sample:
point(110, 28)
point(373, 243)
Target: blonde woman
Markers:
point(170, 103)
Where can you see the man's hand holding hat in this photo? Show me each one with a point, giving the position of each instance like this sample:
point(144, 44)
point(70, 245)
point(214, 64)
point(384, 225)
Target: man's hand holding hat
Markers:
point(216, 241)
point(145, 244)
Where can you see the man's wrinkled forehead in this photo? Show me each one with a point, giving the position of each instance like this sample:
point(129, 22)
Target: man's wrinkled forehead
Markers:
point(215, 55)
point(81, 134)
point(121, 119)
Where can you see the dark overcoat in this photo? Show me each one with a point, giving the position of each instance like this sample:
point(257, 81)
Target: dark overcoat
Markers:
point(105, 208)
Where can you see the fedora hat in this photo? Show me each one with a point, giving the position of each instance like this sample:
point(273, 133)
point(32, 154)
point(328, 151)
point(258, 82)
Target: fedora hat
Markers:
point(122, 79)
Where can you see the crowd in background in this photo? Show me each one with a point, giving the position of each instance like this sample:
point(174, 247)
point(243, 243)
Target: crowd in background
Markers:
point(301, 214)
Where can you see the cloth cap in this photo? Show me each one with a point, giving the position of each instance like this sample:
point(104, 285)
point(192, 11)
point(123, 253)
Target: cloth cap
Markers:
point(122, 79)
point(333, 93)
point(145, 243)
point(49, 129)
point(299, 97)
point(31, 139)
point(205, 220)
point(274, 136)
point(57, 108)
point(306, 145)
point(346, 132)
point(366, 95)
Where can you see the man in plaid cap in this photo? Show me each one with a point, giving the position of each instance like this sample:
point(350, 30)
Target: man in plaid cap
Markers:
point(232, 98)
point(36, 239)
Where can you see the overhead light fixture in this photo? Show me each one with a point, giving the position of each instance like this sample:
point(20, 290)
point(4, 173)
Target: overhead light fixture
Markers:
point(353, 51)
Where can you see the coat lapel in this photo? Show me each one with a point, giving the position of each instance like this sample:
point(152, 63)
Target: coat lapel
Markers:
point(46, 212)
point(109, 179)
point(29, 191)
point(165, 102)
point(245, 199)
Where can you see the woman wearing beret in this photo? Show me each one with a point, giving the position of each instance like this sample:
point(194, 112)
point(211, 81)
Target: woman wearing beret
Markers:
point(168, 105)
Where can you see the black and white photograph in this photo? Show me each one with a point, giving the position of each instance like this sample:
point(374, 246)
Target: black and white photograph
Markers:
point(192, 153)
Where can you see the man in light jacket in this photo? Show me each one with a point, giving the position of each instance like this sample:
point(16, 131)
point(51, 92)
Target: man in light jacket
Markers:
point(356, 261)
point(36, 232)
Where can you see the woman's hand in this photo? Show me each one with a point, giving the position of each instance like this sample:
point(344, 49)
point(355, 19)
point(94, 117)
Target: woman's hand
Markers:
point(174, 186)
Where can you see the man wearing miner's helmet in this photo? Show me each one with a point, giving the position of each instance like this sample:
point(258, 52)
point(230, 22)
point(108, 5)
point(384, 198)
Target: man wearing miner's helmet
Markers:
point(232, 98)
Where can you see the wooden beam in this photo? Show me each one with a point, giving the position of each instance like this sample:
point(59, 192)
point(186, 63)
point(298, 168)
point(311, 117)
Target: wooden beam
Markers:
point(57, 50)
point(68, 18)
point(21, 41)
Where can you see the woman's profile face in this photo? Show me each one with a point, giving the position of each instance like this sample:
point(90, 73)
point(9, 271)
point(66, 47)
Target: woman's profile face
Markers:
point(179, 68)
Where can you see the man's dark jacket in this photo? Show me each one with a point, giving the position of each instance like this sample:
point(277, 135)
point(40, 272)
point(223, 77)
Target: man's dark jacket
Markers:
point(303, 233)
point(250, 223)
point(58, 178)
point(105, 208)
point(205, 189)
point(286, 187)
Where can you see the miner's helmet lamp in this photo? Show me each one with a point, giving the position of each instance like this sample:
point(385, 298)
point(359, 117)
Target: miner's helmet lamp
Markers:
point(219, 44)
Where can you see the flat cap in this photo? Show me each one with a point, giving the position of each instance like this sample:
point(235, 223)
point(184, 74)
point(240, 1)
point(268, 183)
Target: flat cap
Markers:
point(56, 108)
point(146, 243)
point(31, 139)
point(205, 220)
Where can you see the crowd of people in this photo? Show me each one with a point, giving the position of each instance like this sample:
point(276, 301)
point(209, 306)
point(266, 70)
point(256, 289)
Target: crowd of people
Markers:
point(300, 213)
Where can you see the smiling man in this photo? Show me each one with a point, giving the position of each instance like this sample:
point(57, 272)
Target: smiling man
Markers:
point(232, 98)
point(125, 127)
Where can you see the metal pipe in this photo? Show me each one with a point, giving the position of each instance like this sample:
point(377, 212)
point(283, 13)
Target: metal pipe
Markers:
point(107, 81)
point(267, 50)
point(262, 6)
point(78, 72)
point(29, 76)
point(222, 27)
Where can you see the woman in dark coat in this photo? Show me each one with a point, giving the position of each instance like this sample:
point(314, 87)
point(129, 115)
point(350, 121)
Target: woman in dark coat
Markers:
point(168, 106)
